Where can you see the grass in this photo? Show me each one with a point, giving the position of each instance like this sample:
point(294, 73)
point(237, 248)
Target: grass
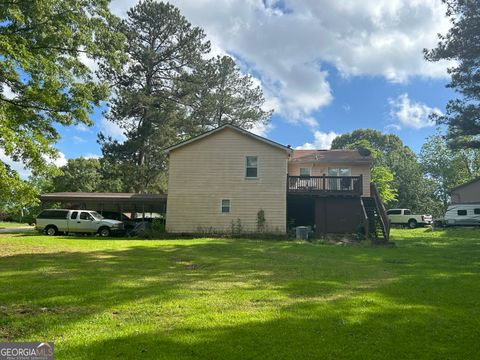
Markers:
point(244, 299)
point(8, 225)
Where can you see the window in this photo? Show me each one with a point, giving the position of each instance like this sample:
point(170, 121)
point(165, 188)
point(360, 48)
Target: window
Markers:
point(85, 216)
point(53, 214)
point(305, 172)
point(74, 215)
point(394, 212)
point(461, 212)
point(225, 206)
point(407, 212)
point(251, 167)
point(476, 211)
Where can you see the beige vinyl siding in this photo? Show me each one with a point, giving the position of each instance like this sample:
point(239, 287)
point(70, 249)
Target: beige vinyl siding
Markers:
point(208, 170)
point(320, 169)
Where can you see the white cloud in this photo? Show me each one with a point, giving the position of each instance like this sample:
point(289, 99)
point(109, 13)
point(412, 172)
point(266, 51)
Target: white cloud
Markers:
point(286, 49)
point(58, 161)
point(112, 129)
point(83, 128)
point(310, 121)
point(261, 129)
point(24, 173)
point(411, 114)
point(92, 64)
point(78, 139)
point(322, 140)
point(393, 127)
point(18, 166)
point(91, 156)
point(7, 92)
point(286, 45)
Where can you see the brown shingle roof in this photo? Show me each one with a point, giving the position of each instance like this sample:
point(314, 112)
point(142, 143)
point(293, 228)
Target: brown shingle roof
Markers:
point(329, 156)
point(465, 184)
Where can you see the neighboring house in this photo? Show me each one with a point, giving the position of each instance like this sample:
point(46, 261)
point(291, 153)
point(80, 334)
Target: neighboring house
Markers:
point(466, 193)
point(224, 177)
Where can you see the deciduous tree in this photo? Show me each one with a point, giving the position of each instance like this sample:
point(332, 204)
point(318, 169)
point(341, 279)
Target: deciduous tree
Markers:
point(408, 180)
point(44, 81)
point(79, 175)
point(448, 168)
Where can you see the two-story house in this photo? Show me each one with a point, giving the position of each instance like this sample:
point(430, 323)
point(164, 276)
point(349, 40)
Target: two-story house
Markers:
point(227, 175)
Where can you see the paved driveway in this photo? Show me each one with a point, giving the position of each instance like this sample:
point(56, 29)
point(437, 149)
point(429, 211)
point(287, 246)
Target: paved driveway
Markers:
point(16, 230)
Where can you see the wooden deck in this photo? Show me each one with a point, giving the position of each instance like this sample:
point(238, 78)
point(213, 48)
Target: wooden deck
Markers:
point(325, 185)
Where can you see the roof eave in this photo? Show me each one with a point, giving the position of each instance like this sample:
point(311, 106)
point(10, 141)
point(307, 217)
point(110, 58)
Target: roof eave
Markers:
point(245, 132)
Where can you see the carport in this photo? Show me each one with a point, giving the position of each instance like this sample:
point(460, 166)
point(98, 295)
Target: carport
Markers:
point(121, 202)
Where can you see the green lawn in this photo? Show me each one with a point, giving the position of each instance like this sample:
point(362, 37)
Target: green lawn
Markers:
point(224, 299)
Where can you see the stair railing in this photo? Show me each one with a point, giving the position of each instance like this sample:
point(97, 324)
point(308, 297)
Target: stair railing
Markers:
point(382, 212)
point(365, 221)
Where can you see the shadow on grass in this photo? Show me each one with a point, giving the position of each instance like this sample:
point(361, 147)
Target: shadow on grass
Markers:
point(247, 299)
point(306, 331)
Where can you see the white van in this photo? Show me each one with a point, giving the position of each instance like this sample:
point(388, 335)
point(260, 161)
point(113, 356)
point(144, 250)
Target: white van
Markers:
point(463, 214)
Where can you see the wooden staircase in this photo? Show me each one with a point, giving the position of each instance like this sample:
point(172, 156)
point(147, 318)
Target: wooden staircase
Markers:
point(378, 224)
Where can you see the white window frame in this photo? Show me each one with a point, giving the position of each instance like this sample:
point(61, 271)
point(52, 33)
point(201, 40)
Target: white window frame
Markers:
point(229, 206)
point(246, 167)
point(337, 170)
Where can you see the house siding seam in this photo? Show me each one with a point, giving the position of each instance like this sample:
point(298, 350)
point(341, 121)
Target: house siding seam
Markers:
point(213, 168)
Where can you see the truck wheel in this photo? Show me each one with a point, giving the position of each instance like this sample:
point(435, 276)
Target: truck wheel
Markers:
point(51, 230)
point(104, 231)
point(412, 223)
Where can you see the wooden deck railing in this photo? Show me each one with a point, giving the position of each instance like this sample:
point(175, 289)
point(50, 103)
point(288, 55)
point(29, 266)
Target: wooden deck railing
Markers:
point(382, 212)
point(348, 185)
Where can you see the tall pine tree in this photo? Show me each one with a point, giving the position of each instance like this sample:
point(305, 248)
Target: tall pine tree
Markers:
point(461, 44)
point(163, 49)
point(169, 91)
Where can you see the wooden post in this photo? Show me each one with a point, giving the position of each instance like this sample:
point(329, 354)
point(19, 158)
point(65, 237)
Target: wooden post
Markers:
point(361, 184)
point(324, 182)
point(286, 208)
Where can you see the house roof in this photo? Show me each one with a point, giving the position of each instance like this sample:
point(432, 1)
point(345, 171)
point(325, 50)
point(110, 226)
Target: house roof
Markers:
point(73, 196)
point(228, 126)
point(330, 156)
point(467, 183)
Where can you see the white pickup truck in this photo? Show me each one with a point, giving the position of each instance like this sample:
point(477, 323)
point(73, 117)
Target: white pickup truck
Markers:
point(406, 218)
point(55, 221)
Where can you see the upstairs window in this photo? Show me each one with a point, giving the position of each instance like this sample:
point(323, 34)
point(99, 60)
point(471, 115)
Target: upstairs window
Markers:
point(305, 172)
point(225, 206)
point(251, 170)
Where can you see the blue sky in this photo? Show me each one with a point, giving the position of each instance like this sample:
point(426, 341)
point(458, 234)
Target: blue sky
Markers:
point(359, 102)
point(326, 67)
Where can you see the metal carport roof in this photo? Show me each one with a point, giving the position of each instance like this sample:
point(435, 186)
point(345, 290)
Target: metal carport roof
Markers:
point(123, 202)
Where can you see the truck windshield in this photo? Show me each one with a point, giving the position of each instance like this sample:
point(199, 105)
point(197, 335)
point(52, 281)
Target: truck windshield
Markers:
point(96, 215)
